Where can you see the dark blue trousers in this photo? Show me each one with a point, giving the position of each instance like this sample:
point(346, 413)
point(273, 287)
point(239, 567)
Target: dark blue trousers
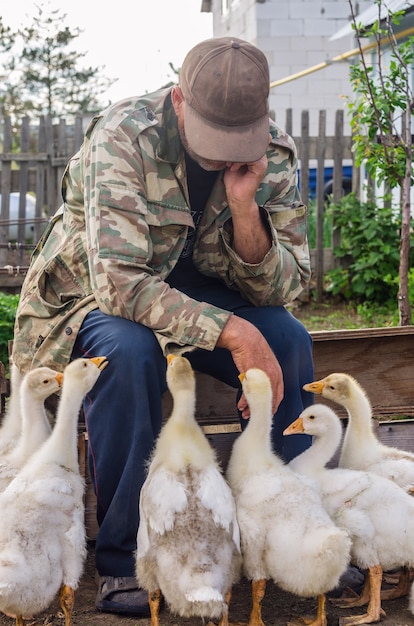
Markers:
point(123, 411)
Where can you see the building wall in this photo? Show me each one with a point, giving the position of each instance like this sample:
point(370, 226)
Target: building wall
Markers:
point(294, 34)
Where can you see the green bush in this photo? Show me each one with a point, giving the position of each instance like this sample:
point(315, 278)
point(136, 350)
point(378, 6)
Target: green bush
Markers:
point(327, 226)
point(8, 306)
point(369, 251)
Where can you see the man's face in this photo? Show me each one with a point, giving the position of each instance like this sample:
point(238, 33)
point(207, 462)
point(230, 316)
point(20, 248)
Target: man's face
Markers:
point(206, 164)
point(210, 166)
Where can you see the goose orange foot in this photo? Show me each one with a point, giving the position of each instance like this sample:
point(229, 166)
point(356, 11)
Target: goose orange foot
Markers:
point(319, 620)
point(154, 601)
point(224, 621)
point(352, 599)
point(258, 593)
point(67, 602)
point(403, 586)
point(372, 592)
point(355, 620)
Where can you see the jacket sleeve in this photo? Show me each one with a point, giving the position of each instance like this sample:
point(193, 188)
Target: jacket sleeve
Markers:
point(285, 270)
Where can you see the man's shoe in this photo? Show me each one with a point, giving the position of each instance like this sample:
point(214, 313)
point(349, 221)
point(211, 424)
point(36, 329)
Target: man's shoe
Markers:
point(121, 594)
point(351, 580)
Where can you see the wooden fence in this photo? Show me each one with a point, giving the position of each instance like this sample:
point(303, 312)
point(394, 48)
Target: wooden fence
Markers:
point(34, 155)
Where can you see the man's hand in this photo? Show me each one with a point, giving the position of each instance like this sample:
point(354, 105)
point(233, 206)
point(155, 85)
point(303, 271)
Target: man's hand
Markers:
point(251, 239)
point(249, 349)
point(242, 180)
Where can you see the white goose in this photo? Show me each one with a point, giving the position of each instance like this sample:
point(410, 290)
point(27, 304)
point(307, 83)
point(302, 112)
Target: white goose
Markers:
point(36, 386)
point(361, 448)
point(286, 535)
point(11, 426)
point(188, 537)
point(42, 535)
point(376, 512)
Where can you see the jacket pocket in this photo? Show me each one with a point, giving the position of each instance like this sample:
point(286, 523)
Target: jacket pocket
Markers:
point(57, 287)
point(133, 230)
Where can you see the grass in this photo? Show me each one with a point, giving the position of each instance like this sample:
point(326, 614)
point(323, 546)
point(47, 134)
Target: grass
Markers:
point(331, 315)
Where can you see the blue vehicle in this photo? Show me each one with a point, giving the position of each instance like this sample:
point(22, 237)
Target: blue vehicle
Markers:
point(328, 181)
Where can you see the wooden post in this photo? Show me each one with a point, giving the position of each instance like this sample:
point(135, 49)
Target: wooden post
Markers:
point(337, 173)
point(304, 158)
point(5, 188)
point(320, 204)
point(23, 185)
point(40, 182)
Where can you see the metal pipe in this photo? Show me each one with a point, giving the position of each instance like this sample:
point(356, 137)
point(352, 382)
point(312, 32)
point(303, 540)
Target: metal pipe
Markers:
point(339, 57)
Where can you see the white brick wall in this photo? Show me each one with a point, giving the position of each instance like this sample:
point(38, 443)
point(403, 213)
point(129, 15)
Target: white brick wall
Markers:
point(294, 34)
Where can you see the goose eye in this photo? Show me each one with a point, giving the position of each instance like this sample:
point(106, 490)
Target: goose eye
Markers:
point(45, 381)
point(85, 364)
point(311, 417)
point(331, 387)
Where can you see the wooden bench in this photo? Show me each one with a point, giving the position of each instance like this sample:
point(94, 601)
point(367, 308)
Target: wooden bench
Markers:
point(381, 359)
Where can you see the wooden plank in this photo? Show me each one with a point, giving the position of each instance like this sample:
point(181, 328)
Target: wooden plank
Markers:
point(91, 523)
point(78, 137)
point(40, 182)
point(223, 443)
point(329, 147)
point(356, 333)
point(289, 121)
point(5, 174)
point(397, 433)
point(337, 192)
point(25, 157)
point(320, 205)
point(216, 402)
point(379, 358)
point(304, 157)
point(62, 151)
point(23, 187)
point(337, 175)
point(51, 178)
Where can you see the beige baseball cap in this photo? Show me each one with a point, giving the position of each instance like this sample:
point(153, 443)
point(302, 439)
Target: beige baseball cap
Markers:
point(225, 83)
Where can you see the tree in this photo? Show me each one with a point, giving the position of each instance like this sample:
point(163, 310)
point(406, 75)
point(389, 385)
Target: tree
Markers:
point(44, 72)
point(7, 41)
point(381, 122)
point(7, 37)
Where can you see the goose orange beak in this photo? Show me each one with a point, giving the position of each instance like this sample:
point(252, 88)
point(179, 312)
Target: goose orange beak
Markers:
point(295, 427)
point(316, 387)
point(100, 361)
point(170, 357)
point(241, 377)
point(59, 378)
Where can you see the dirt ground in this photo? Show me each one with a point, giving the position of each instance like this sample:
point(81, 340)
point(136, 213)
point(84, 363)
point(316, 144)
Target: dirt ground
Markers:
point(278, 608)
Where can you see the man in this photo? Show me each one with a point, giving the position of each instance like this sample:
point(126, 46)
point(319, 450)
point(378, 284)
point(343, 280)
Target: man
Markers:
point(181, 230)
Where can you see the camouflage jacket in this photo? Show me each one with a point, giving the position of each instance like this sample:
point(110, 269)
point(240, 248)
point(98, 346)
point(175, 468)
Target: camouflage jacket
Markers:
point(123, 225)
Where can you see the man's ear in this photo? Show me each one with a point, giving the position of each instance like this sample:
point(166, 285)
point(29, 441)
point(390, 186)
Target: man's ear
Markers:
point(177, 97)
